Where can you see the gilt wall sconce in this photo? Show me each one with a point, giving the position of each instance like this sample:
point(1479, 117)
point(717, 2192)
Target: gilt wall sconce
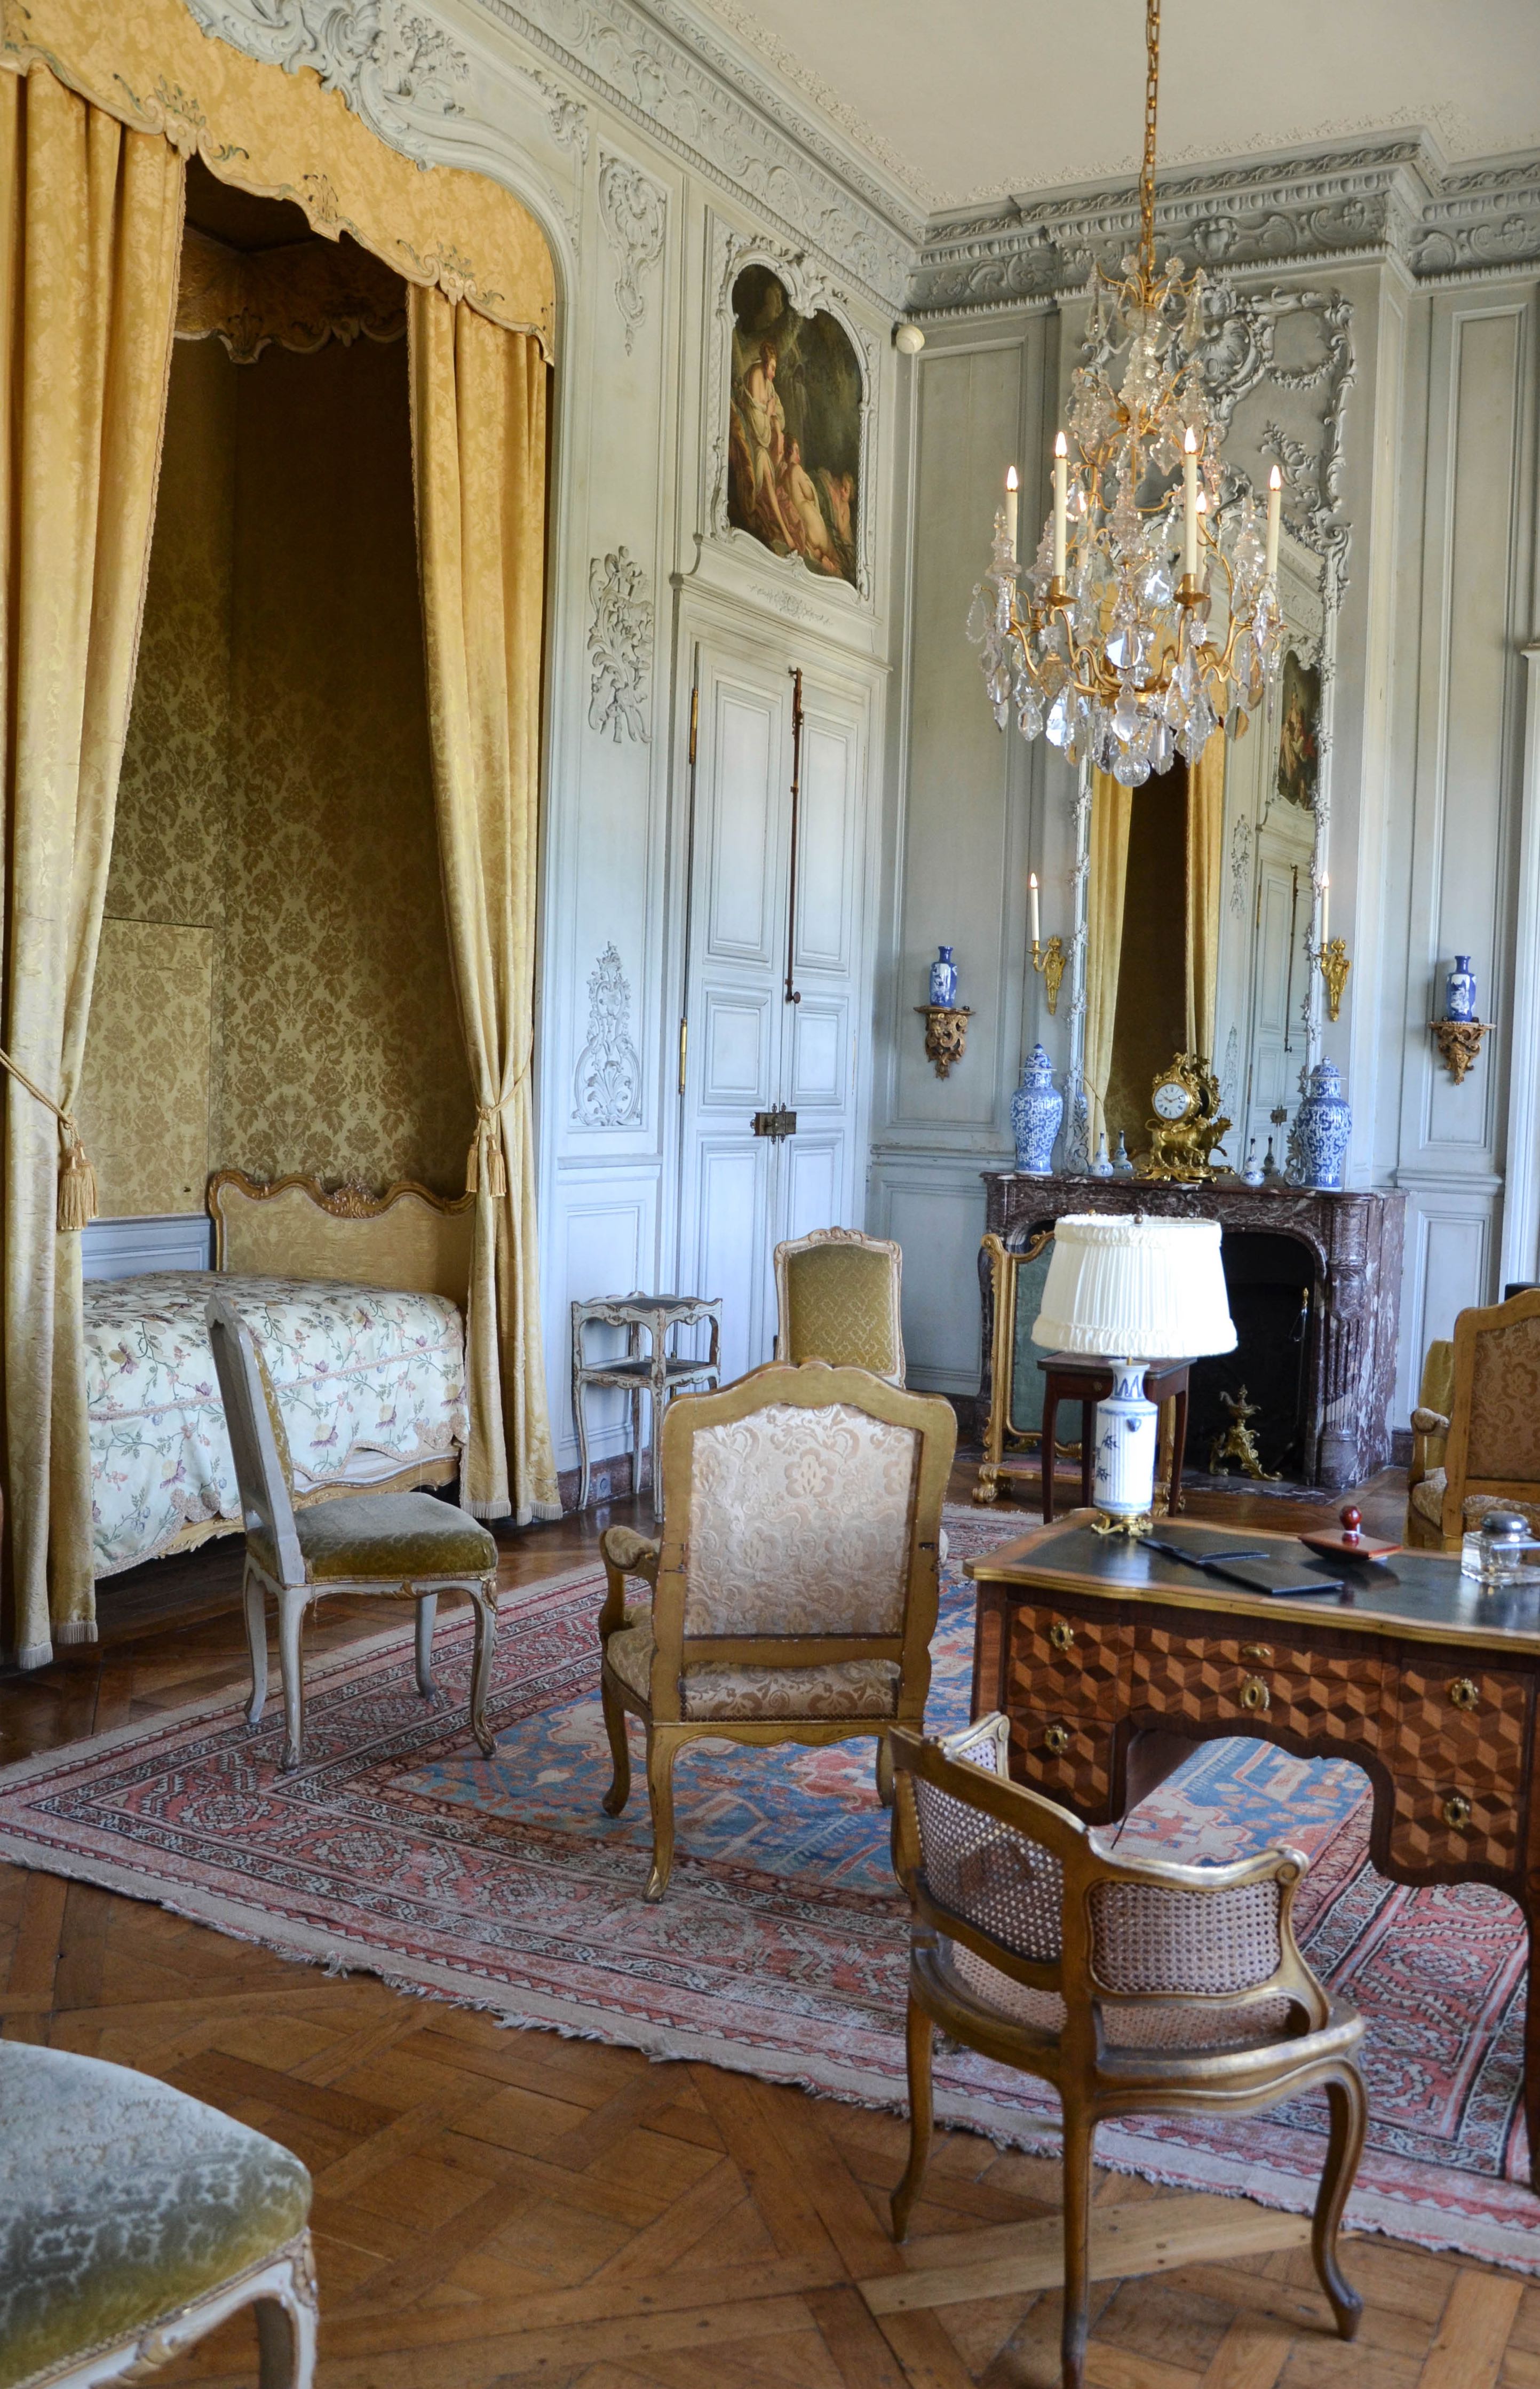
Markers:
point(1331, 956)
point(1049, 960)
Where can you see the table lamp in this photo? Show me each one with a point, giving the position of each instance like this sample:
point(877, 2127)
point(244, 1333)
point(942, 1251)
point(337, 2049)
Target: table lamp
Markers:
point(1130, 1291)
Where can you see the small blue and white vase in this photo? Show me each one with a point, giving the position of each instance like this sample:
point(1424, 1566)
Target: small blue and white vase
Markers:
point(1037, 1108)
point(1254, 1173)
point(944, 978)
point(1102, 1167)
point(1121, 1164)
point(1460, 990)
point(1322, 1126)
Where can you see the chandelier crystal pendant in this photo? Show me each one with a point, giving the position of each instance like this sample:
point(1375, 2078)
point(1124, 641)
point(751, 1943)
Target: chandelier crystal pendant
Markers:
point(1150, 614)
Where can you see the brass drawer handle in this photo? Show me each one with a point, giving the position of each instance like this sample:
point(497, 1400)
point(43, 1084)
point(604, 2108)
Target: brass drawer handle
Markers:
point(1463, 1694)
point(1263, 1651)
point(1062, 1636)
point(1056, 1741)
point(1456, 1812)
point(1255, 1697)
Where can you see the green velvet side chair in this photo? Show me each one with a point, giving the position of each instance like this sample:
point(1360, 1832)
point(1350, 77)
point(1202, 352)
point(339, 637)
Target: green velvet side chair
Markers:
point(132, 2220)
point(837, 1299)
point(406, 1544)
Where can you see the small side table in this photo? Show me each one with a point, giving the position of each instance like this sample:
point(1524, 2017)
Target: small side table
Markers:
point(656, 1373)
point(1069, 1377)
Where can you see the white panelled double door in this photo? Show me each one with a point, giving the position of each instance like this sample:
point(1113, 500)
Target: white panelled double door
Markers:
point(775, 1000)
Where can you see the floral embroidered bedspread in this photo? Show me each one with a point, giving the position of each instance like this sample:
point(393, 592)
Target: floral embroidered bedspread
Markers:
point(368, 1382)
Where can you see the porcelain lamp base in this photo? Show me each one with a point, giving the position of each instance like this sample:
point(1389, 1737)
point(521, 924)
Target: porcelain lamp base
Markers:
point(1127, 1428)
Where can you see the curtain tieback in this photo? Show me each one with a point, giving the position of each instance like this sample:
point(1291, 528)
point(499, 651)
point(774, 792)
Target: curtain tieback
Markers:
point(77, 1180)
point(484, 1167)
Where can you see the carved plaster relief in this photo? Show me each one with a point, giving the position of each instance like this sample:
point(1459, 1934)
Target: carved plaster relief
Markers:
point(391, 63)
point(607, 1082)
point(620, 645)
point(634, 212)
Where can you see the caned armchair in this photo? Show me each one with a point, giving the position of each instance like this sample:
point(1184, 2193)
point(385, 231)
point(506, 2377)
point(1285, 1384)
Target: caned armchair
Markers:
point(1476, 1429)
point(132, 2220)
point(837, 1299)
point(1129, 1986)
point(406, 1544)
point(794, 1591)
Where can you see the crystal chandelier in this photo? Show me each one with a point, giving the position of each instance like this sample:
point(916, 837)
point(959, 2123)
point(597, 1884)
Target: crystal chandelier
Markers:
point(1149, 615)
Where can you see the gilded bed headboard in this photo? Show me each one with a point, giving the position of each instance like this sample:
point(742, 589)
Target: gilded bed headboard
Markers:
point(406, 1237)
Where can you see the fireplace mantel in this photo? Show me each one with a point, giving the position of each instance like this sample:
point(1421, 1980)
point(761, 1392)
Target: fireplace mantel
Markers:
point(1354, 1242)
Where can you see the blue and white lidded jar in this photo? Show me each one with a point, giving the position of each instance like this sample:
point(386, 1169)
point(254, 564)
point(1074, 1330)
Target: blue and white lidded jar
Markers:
point(944, 978)
point(1037, 1108)
point(1322, 1126)
point(1460, 990)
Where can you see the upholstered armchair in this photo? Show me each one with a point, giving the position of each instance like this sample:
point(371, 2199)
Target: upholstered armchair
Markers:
point(132, 2220)
point(406, 1544)
point(1476, 1429)
point(1127, 1984)
point(837, 1299)
point(793, 1596)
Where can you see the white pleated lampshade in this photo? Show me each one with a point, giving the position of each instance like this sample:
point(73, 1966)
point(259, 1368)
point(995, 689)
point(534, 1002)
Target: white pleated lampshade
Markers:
point(1135, 1289)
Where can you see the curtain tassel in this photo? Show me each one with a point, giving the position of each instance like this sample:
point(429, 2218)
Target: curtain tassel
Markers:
point(77, 1183)
point(484, 1165)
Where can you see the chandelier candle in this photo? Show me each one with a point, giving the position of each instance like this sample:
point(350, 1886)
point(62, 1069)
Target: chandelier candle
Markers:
point(1275, 508)
point(1060, 505)
point(1012, 486)
point(1189, 503)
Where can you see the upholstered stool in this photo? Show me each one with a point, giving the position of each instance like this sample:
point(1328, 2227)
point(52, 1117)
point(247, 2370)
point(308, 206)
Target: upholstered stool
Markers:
point(133, 2219)
point(1067, 1377)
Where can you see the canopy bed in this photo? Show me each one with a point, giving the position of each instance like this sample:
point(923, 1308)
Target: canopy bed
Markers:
point(103, 114)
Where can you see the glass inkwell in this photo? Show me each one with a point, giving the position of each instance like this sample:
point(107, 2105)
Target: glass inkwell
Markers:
point(1502, 1550)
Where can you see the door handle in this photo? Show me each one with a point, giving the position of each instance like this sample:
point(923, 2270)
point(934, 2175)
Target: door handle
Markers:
point(775, 1124)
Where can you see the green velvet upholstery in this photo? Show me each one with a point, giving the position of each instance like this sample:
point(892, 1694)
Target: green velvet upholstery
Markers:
point(840, 1301)
point(385, 1537)
point(121, 2200)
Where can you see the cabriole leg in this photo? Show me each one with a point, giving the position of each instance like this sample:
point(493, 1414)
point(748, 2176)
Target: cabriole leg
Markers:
point(291, 1619)
point(660, 1792)
point(1349, 2117)
point(1079, 2135)
point(484, 1601)
point(286, 2328)
point(255, 1602)
point(427, 1610)
point(919, 2039)
point(619, 1748)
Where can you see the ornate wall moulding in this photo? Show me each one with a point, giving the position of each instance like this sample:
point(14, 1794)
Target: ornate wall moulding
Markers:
point(634, 212)
point(809, 292)
point(619, 646)
point(607, 1080)
point(392, 63)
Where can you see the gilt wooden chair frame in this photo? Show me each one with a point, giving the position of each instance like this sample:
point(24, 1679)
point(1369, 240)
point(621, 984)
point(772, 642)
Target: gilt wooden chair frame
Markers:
point(1459, 1485)
point(852, 1238)
point(1094, 2081)
point(813, 1386)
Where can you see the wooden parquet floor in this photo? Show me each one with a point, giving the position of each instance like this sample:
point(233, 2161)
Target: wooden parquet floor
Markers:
point(494, 2205)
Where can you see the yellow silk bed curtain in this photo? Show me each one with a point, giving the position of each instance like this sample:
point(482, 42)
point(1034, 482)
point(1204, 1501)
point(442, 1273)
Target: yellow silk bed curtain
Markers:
point(89, 227)
point(479, 413)
point(1111, 810)
point(1206, 840)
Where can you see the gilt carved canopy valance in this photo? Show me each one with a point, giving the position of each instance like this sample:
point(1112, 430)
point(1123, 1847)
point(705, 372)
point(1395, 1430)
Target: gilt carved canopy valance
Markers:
point(283, 136)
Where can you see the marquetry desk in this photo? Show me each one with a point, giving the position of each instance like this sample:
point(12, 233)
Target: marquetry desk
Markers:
point(1109, 1659)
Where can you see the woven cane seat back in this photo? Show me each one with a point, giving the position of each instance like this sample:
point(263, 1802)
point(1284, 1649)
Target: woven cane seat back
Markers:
point(1148, 1937)
point(988, 1876)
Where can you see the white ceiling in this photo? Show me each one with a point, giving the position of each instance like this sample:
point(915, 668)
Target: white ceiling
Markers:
point(971, 99)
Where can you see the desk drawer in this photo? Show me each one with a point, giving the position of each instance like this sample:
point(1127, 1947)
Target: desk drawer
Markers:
point(1068, 1758)
point(1058, 1666)
point(1455, 1742)
point(1256, 1678)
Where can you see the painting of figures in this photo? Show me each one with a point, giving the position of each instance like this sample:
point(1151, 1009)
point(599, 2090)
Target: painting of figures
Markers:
point(794, 440)
point(1299, 743)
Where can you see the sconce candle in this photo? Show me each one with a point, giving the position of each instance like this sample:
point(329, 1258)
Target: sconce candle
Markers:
point(1326, 914)
point(1032, 894)
point(1060, 505)
point(1012, 487)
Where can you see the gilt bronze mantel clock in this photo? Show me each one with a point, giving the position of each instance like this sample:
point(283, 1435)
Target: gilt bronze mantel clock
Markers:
point(1188, 1122)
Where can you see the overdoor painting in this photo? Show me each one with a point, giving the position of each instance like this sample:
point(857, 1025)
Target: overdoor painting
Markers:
point(793, 445)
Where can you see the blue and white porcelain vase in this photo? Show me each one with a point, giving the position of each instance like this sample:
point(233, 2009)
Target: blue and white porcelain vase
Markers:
point(944, 978)
point(1037, 1108)
point(1102, 1167)
point(1322, 1126)
point(1460, 990)
point(1123, 1166)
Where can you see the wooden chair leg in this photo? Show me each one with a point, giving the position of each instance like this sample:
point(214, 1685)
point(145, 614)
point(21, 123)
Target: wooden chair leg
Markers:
point(427, 1610)
point(884, 1770)
point(1349, 2109)
point(619, 1749)
point(919, 2038)
point(286, 2328)
point(484, 1601)
point(254, 1604)
point(291, 1666)
point(1079, 2135)
point(660, 1792)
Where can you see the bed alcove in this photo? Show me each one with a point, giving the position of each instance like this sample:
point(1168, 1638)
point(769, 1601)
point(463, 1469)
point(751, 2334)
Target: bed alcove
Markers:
point(273, 991)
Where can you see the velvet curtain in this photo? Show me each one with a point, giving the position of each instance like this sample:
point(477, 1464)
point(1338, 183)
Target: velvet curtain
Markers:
point(90, 227)
point(479, 416)
point(1205, 843)
point(1111, 810)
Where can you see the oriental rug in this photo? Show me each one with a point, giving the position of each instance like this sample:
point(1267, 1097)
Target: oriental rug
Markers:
point(781, 1948)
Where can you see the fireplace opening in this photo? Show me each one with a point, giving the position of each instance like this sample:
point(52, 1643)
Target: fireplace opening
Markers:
point(1271, 1281)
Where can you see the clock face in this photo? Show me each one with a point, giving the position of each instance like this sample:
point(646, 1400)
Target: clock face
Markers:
point(1172, 1100)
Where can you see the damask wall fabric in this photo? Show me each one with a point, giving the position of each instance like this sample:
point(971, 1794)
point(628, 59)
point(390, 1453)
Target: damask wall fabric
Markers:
point(90, 222)
point(799, 1523)
point(367, 1384)
point(276, 771)
point(147, 1094)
